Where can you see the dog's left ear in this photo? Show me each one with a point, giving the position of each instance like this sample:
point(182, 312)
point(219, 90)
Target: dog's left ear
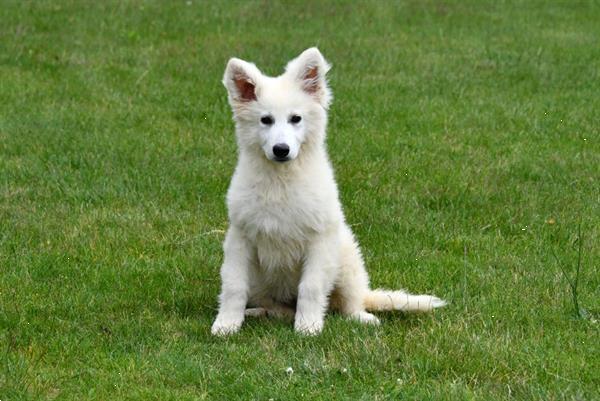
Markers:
point(310, 69)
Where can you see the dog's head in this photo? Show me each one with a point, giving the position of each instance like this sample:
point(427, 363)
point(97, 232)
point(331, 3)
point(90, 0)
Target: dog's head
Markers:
point(279, 115)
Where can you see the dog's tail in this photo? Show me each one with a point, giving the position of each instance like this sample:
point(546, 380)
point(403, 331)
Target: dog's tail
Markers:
point(380, 300)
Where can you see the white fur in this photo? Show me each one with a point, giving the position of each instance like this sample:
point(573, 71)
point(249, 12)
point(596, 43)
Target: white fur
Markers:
point(288, 242)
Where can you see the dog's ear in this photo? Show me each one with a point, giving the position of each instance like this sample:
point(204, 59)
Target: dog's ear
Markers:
point(310, 69)
point(241, 79)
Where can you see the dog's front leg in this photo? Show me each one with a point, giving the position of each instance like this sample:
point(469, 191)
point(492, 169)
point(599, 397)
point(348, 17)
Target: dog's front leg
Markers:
point(316, 283)
point(234, 283)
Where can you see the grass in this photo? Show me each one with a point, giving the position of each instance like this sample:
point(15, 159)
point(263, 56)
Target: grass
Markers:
point(464, 135)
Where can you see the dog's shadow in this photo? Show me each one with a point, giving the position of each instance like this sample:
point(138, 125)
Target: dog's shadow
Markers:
point(203, 310)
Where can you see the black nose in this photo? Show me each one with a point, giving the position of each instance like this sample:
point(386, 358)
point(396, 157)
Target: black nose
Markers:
point(281, 150)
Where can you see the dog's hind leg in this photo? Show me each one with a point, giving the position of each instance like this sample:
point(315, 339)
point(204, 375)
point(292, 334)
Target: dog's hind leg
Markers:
point(352, 284)
point(271, 309)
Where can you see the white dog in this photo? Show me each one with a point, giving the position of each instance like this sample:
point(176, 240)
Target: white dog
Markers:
point(288, 243)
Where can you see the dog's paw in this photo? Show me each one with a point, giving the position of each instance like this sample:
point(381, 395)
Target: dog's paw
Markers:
point(224, 326)
point(308, 327)
point(366, 318)
point(256, 312)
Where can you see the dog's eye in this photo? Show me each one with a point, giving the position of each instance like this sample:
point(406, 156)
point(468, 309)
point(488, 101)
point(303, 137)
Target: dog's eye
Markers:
point(266, 120)
point(295, 119)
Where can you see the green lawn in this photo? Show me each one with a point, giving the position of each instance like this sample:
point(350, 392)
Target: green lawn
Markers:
point(465, 139)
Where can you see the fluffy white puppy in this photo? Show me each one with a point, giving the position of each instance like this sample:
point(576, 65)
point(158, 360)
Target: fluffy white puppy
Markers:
point(288, 249)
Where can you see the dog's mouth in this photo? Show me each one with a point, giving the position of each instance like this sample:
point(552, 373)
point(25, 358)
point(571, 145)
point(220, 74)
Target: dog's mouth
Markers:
point(281, 159)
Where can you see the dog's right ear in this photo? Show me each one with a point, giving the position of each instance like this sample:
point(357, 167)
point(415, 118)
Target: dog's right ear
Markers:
point(241, 79)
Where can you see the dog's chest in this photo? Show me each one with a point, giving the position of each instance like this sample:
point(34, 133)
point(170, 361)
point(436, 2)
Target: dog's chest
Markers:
point(279, 221)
